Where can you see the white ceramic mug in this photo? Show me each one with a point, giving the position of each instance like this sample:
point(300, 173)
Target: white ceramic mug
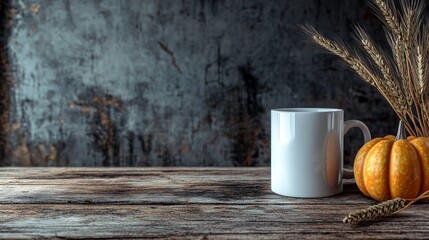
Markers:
point(307, 151)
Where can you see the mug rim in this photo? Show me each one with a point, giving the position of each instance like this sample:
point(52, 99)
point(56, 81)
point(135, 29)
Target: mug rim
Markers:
point(306, 110)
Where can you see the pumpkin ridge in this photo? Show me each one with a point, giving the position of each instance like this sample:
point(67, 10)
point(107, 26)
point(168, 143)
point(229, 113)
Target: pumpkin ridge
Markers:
point(421, 145)
point(359, 164)
point(422, 171)
point(405, 173)
point(377, 164)
point(389, 155)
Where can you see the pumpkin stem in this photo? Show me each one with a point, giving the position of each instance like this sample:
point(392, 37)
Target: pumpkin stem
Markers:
point(401, 134)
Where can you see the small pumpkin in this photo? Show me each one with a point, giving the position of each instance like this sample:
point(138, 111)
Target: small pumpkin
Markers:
point(388, 167)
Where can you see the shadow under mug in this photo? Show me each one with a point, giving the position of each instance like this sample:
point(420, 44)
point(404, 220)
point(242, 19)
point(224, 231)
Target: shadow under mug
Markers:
point(307, 151)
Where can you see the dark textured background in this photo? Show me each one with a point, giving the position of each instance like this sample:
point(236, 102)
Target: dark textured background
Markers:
point(169, 82)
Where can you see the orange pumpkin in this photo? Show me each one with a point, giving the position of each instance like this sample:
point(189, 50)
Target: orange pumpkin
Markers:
point(385, 169)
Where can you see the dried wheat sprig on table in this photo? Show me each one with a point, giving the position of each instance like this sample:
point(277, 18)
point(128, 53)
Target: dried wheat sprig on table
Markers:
point(401, 74)
point(384, 209)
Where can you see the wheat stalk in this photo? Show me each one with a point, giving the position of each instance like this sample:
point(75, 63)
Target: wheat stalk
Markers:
point(422, 85)
point(401, 76)
point(391, 20)
point(341, 51)
point(420, 70)
point(388, 84)
point(383, 209)
point(388, 89)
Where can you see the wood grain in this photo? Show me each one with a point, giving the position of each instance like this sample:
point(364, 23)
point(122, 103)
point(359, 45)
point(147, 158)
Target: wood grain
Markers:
point(188, 203)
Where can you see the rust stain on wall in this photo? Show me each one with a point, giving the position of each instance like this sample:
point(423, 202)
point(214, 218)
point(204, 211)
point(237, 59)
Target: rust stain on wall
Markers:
point(44, 155)
point(103, 128)
point(186, 148)
point(52, 154)
point(35, 8)
point(15, 126)
point(72, 106)
point(26, 154)
point(22, 154)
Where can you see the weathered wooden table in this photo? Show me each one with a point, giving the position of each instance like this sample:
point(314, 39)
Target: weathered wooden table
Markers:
point(194, 203)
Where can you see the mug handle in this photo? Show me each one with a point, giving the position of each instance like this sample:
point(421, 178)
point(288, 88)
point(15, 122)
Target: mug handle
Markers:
point(348, 173)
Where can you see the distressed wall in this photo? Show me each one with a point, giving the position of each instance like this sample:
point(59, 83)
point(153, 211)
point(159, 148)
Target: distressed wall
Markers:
point(169, 82)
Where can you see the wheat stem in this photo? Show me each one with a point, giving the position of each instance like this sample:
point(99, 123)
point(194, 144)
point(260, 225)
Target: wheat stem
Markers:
point(412, 201)
point(425, 115)
point(418, 125)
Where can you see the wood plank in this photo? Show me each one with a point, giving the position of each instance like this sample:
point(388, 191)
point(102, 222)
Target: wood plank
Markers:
point(101, 221)
point(184, 203)
point(151, 186)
